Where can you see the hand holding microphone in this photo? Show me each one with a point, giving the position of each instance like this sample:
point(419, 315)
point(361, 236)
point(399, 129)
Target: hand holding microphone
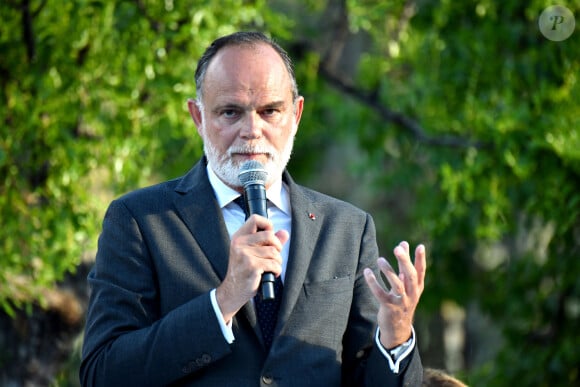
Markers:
point(253, 178)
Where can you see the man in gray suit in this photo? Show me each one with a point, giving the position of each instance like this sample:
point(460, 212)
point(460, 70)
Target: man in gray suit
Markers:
point(178, 265)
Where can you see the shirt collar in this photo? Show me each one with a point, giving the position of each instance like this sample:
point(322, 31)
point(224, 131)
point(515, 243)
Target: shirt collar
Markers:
point(277, 193)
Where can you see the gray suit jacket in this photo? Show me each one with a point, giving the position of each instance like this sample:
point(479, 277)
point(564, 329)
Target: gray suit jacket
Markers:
point(162, 249)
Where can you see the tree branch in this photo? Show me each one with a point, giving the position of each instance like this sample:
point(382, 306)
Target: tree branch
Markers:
point(40, 7)
point(27, 34)
point(370, 99)
point(339, 32)
point(154, 24)
point(28, 16)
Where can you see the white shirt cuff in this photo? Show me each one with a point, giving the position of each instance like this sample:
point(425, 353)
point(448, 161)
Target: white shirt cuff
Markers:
point(396, 355)
point(226, 328)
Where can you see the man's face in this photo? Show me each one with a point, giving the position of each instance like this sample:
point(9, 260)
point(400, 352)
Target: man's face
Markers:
point(247, 112)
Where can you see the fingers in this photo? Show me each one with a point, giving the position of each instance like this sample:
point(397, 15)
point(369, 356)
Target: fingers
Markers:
point(257, 223)
point(420, 265)
point(283, 236)
point(257, 247)
point(397, 305)
point(254, 249)
point(383, 296)
point(396, 284)
point(410, 280)
point(375, 287)
point(411, 275)
point(259, 231)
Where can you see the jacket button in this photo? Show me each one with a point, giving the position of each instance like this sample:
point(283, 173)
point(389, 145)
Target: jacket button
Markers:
point(202, 360)
point(267, 379)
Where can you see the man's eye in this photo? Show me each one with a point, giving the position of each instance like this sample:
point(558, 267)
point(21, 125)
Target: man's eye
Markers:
point(229, 113)
point(269, 112)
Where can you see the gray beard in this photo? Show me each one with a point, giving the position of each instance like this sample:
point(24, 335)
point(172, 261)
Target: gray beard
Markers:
point(228, 170)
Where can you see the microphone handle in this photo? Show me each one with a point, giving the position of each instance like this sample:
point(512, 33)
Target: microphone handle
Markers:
point(256, 202)
point(267, 286)
point(255, 196)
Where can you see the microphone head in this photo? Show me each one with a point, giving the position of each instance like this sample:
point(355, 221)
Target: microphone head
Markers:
point(252, 172)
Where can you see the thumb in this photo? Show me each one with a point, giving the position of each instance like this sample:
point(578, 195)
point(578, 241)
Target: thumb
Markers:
point(283, 236)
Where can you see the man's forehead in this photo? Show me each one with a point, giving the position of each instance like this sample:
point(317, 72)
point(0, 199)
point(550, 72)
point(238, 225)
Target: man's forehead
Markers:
point(251, 98)
point(257, 58)
point(247, 71)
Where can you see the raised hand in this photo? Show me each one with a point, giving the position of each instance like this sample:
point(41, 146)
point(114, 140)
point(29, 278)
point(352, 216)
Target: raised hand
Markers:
point(397, 305)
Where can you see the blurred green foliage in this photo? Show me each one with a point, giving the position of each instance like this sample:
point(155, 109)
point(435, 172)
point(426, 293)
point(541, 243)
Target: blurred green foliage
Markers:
point(93, 103)
point(466, 122)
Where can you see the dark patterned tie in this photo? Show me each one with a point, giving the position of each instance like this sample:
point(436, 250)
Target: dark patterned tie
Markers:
point(267, 311)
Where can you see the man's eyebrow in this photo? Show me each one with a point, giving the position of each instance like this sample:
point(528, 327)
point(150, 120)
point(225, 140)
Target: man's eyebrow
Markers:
point(227, 106)
point(272, 105)
point(236, 106)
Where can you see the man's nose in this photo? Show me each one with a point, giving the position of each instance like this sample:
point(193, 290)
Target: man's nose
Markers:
point(252, 126)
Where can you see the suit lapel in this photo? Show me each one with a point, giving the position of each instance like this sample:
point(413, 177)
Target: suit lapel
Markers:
point(198, 208)
point(306, 222)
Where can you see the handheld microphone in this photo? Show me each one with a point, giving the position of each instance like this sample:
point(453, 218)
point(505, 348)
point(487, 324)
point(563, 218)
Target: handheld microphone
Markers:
point(253, 178)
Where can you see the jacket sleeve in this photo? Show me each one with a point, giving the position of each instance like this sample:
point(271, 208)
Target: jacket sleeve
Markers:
point(127, 340)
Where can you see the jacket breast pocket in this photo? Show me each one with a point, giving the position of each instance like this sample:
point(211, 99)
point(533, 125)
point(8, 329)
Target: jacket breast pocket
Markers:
point(332, 286)
point(322, 315)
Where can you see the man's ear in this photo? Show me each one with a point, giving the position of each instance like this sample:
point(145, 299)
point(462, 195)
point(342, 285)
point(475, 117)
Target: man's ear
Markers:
point(195, 112)
point(298, 107)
